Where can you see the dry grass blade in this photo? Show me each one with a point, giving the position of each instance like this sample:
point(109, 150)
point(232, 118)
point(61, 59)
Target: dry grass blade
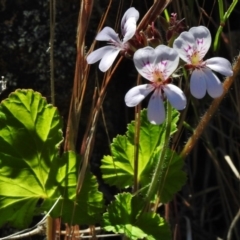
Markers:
point(156, 9)
point(232, 166)
point(87, 143)
point(233, 223)
point(188, 229)
point(80, 78)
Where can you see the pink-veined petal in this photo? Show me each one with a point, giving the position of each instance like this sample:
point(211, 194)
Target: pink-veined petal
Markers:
point(129, 29)
point(130, 13)
point(203, 39)
point(108, 59)
point(108, 34)
point(167, 60)
point(220, 65)
point(175, 96)
point(144, 59)
point(185, 45)
point(98, 54)
point(214, 86)
point(136, 94)
point(198, 85)
point(156, 110)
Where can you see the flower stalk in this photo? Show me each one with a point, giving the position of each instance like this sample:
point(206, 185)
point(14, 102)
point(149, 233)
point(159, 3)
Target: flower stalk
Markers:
point(136, 141)
point(162, 160)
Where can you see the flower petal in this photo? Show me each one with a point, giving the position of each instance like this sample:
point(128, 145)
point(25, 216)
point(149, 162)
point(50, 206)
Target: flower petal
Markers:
point(175, 96)
point(220, 65)
point(156, 110)
point(108, 59)
point(108, 34)
point(98, 54)
point(144, 59)
point(203, 39)
point(129, 29)
point(130, 13)
point(198, 85)
point(214, 86)
point(185, 45)
point(136, 94)
point(167, 60)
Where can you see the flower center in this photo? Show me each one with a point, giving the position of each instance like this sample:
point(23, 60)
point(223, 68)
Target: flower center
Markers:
point(119, 45)
point(195, 58)
point(158, 77)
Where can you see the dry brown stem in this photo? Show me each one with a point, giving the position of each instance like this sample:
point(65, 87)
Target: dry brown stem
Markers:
point(212, 109)
point(152, 14)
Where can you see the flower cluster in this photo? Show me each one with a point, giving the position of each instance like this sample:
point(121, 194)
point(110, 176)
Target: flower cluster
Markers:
point(158, 64)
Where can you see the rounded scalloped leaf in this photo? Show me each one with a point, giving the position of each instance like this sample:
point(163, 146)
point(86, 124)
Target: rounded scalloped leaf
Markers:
point(123, 216)
point(118, 169)
point(88, 207)
point(30, 168)
point(30, 133)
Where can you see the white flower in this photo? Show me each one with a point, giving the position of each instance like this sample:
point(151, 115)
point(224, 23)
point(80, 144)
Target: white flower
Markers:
point(192, 46)
point(156, 65)
point(109, 53)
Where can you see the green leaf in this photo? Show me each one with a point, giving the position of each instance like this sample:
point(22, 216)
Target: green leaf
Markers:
point(124, 216)
point(89, 202)
point(30, 168)
point(30, 132)
point(118, 169)
point(174, 177)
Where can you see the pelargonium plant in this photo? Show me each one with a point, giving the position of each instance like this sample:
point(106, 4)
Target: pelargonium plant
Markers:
point(158, 66)
point(192, 46)
point(109, 53)
point(142, 160)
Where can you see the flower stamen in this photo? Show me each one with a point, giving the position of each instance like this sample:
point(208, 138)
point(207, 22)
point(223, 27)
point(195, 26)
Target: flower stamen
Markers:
point(195, 58)
point(158, 76)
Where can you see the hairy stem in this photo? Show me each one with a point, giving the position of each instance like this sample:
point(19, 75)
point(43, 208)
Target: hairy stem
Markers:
point(136, 141)
point(159, 170)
